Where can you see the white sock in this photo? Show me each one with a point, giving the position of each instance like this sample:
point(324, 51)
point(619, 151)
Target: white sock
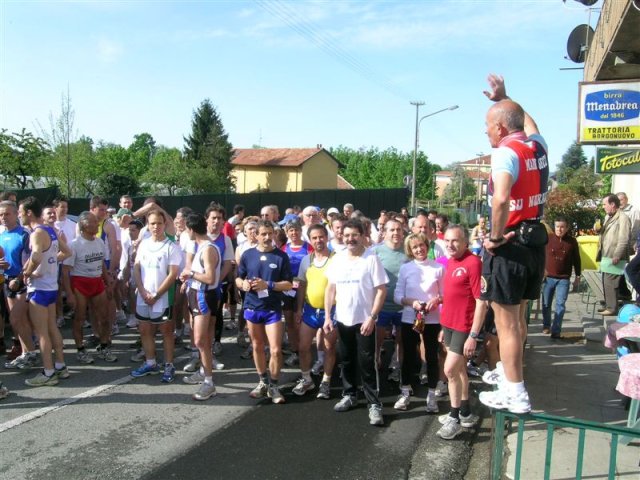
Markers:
point(307, 376)
point(151, 362)
point(515, 388)
point(208, 380)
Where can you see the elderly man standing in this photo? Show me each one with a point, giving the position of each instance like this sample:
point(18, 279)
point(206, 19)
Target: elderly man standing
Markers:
point(310, 216)
point(613, 252)
point(513, 261)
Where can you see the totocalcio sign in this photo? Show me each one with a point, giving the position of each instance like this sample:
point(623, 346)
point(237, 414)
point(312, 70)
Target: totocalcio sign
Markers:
point(618, 160)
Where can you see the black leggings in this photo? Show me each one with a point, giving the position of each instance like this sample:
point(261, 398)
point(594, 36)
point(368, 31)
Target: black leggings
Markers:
point(410, 358)
point(219, 317)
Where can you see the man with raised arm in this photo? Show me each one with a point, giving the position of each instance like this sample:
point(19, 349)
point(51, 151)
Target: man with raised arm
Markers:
point(514, 258)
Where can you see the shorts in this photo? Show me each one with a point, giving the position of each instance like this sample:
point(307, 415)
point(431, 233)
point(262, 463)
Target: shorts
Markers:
point(262, 317)
point(314, 317)
point(87, 286)
point(202, 302)
point(454, 340)
point(289, 303)
point(143, 313)
point(513, 274)
point(490, 323)
point(386, 319)
point(11, 293)
point(43, 297)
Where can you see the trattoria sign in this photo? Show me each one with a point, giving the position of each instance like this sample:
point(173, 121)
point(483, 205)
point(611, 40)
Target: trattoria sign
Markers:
point(618, 160)
point(609, 112)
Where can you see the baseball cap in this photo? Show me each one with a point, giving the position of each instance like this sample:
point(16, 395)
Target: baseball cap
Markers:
point(124, 211)
point(333, 210)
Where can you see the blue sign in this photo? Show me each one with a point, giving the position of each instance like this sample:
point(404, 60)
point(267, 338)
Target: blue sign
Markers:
point(612, 105)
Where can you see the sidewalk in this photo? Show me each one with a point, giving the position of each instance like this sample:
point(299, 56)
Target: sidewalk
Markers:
point(569, 378)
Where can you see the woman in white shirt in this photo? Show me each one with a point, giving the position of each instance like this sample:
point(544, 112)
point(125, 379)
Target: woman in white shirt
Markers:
point(419, 289)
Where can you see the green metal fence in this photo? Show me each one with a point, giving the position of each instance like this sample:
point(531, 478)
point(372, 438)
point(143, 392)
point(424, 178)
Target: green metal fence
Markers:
point(552, 422)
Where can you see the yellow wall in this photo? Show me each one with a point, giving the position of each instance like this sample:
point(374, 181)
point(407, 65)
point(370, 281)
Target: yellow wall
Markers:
point(321, 172)
point(318, 173)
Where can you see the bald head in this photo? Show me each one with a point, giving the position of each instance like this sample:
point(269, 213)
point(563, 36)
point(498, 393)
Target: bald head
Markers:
point(504, 118)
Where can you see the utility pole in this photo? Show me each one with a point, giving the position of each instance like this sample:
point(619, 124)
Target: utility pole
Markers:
point(415, 158)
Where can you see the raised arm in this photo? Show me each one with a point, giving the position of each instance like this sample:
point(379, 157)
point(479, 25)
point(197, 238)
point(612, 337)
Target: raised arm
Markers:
point(498, 92)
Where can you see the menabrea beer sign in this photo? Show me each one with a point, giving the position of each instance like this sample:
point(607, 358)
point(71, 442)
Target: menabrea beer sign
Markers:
point(609, 112)
point(618, 160)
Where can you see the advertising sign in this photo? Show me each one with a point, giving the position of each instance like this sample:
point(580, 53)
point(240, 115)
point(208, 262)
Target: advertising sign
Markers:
point(618, 160)
point(609, 112)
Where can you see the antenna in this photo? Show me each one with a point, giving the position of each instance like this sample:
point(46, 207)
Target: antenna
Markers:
point(578, 42)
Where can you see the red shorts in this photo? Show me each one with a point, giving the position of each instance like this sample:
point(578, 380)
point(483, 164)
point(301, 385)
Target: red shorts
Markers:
point(88, 286)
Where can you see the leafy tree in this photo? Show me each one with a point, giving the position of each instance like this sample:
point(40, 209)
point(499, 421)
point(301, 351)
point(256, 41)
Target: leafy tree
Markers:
point(114, 185)
point(208, 152)
point(584, 182)
point(573, 159)
point(167, 169)
point(461, 188)
point(22, 157)
point(141, 151)
point(574, 207)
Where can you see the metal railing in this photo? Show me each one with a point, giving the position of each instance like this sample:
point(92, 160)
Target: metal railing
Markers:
point(552, 422)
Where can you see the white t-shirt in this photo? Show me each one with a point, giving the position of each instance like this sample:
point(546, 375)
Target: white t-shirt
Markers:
point(422, 281)
point(154, 259)
point(355, 280)
point(86, 257)
point(68, 227)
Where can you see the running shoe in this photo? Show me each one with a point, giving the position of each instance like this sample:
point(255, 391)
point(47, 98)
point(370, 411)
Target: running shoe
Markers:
point(107, 355)
point(217, 348)
point(216, 364)
point(138, 356)
point(132, 321)
point(145, 369)
point(260, 391)
point(473, 370)
point(193, 365)
point(195, 379)
point(230, 325)
point(442, 389)
point(292, 360)
point(4, 391)
point(450, 429)
point(115, 329)
point(432, 403)
point(41, 380)
point(169, 373)
point(248, 353)
point(22, 362)
point(424, 379)
point(375, 415)
point(347, 403)
point(324, 391)
point(60, 321)
point(501, 400)
point(466, 422)
point(84, 357)
point(394, 376)
point(205, 392)
point(303, 386)
point(317, 368)
point(92, 342)
point(495, 376)
point(404, 399)
point(62, 372)
point(275, 394)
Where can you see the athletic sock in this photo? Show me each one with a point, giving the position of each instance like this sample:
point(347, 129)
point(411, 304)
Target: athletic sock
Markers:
point(151, 362)
point(515, 388)
point(465, 409)
point(48, 372)
point(326, 378)
point(59, 365)
point(202, 371)
point(264, 378)
point(208, 380)
point(307, 376)
point(455, 413)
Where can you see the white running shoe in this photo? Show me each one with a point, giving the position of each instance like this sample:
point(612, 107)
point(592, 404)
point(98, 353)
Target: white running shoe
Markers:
point(501, 400)
point(432, 403)
point(495, 376)
point(442, 389)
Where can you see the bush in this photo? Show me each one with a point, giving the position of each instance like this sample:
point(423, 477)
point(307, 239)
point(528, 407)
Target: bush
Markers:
point(567, 204)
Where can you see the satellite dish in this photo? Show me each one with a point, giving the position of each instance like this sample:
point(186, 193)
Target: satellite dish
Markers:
point(578, 43)
point(587, 3)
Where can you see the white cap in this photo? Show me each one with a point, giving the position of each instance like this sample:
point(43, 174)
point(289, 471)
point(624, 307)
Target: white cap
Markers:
point(333, 210)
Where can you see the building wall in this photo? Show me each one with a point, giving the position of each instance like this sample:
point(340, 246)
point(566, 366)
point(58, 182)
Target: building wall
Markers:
point(276, 179)
point(629, 185)
point(320, 172)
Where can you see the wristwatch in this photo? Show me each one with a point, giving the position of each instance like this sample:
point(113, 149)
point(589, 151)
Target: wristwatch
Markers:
point(191, 274)
point(496, 240)
point(374, 317)
point(473, 335)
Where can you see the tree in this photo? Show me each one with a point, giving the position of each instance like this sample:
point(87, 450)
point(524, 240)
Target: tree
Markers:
point(573, 159)
point(167, 170)
point(114, 185)
point(22, 157)
point(141, 151)
point(584, 182)
point(208, 152)
point(460, 189)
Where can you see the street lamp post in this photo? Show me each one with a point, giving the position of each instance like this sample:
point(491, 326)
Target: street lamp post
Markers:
point(415, 150)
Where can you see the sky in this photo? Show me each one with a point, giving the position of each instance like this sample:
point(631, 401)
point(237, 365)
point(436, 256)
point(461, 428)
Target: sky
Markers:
point(292, 74)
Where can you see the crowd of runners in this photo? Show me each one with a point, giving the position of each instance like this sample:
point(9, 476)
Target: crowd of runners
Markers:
point(334, 279)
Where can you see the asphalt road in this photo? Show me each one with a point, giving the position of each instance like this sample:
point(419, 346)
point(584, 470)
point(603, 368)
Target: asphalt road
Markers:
point(101, 423)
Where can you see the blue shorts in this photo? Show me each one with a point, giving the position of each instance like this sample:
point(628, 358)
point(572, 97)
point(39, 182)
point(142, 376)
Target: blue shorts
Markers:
point(314, 317)
point(261, 317)
point(386, 319)
point(43, 297)
point(202, 302)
